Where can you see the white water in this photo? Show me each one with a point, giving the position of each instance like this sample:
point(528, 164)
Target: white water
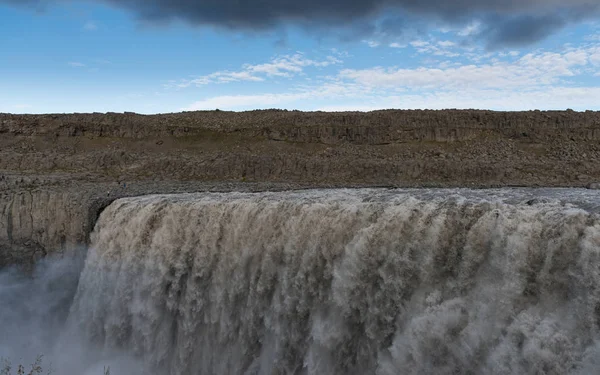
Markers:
point(345, 282)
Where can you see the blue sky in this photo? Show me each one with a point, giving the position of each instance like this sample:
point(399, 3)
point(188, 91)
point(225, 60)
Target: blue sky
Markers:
point(87, 56)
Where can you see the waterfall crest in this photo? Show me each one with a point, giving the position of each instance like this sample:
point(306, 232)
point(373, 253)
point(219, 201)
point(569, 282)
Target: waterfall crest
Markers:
point(345, 282)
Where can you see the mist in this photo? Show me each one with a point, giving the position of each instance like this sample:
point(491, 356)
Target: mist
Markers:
point(366, 281)
point(34, 311)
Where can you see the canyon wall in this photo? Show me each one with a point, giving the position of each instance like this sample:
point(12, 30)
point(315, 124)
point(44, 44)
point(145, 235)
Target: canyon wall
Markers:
point(36, 222)
point(56, 169)
point(399, 148)
point(377, 127)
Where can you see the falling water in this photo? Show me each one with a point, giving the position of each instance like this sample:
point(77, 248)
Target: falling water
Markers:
point(347, 282)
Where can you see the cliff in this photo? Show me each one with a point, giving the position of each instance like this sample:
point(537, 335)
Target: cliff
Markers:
point(415, 148)
point(42, 216)
point(33, 223)
point(56, 169)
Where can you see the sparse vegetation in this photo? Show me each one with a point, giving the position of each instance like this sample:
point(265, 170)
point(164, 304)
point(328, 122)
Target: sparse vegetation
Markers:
point(20, 369)
point(35, 368)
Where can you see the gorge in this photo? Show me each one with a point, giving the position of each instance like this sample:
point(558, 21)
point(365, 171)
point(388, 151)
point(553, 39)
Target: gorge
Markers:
point(283, 242)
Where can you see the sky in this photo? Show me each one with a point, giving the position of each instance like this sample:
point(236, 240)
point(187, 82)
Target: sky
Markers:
point(157, 56)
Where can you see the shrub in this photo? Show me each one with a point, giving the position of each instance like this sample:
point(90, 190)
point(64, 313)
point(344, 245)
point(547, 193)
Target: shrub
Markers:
point(36, 368)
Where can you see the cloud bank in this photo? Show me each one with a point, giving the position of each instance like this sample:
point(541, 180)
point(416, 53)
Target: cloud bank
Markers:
point(503, 23)
point(545, 80)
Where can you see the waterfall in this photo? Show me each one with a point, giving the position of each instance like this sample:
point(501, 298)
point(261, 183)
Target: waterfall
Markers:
point(365, 281)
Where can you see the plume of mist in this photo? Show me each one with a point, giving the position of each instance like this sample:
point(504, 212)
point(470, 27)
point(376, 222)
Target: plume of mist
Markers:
point(34, 310)
point(367, 281)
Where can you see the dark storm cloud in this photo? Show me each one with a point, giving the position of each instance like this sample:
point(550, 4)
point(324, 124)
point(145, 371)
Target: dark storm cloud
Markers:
point(522, 30)
point(504, 22)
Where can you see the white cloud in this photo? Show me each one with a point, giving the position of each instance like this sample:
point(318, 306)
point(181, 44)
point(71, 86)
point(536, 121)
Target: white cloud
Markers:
point(539, 80)
point(579, 98)
point(595, 56)
point(325, 91)
point(242, 101)
point(593, 37)
point(76, 64)
point(419, 43)
point(530, 70)
point(371, 43)
point(446, 43)
point(438, 49)
point(397, 45)
point(510, 80)
point(285, 66)
point(220, 77)
point(288, 65)
point(505, 54)
point(471, 29)
point(338, 53)
point(90, 26)
point(559, 97)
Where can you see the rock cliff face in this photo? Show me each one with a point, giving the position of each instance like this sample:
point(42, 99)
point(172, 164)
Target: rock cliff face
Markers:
point(38, 217)
point(373, 128)
point(126, 154)
point(438, 148)
point(35, 222)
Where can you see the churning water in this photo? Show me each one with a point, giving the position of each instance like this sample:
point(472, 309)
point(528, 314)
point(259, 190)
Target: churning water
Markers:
point(365, 281)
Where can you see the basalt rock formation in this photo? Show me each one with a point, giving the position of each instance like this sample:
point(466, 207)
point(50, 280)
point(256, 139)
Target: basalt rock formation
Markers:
point(58, 171)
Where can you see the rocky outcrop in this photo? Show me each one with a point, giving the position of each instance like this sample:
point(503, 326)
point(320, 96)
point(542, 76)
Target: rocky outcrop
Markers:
point(35, 222)
point(373, 128)
point(57, 170)
point(56, 215)
point(404, 148)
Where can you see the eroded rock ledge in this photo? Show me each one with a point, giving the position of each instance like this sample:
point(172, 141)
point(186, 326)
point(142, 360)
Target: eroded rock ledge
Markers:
point(57, 170)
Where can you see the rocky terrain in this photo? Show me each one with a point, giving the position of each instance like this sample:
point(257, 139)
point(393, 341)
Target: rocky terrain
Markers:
point(58, 171)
